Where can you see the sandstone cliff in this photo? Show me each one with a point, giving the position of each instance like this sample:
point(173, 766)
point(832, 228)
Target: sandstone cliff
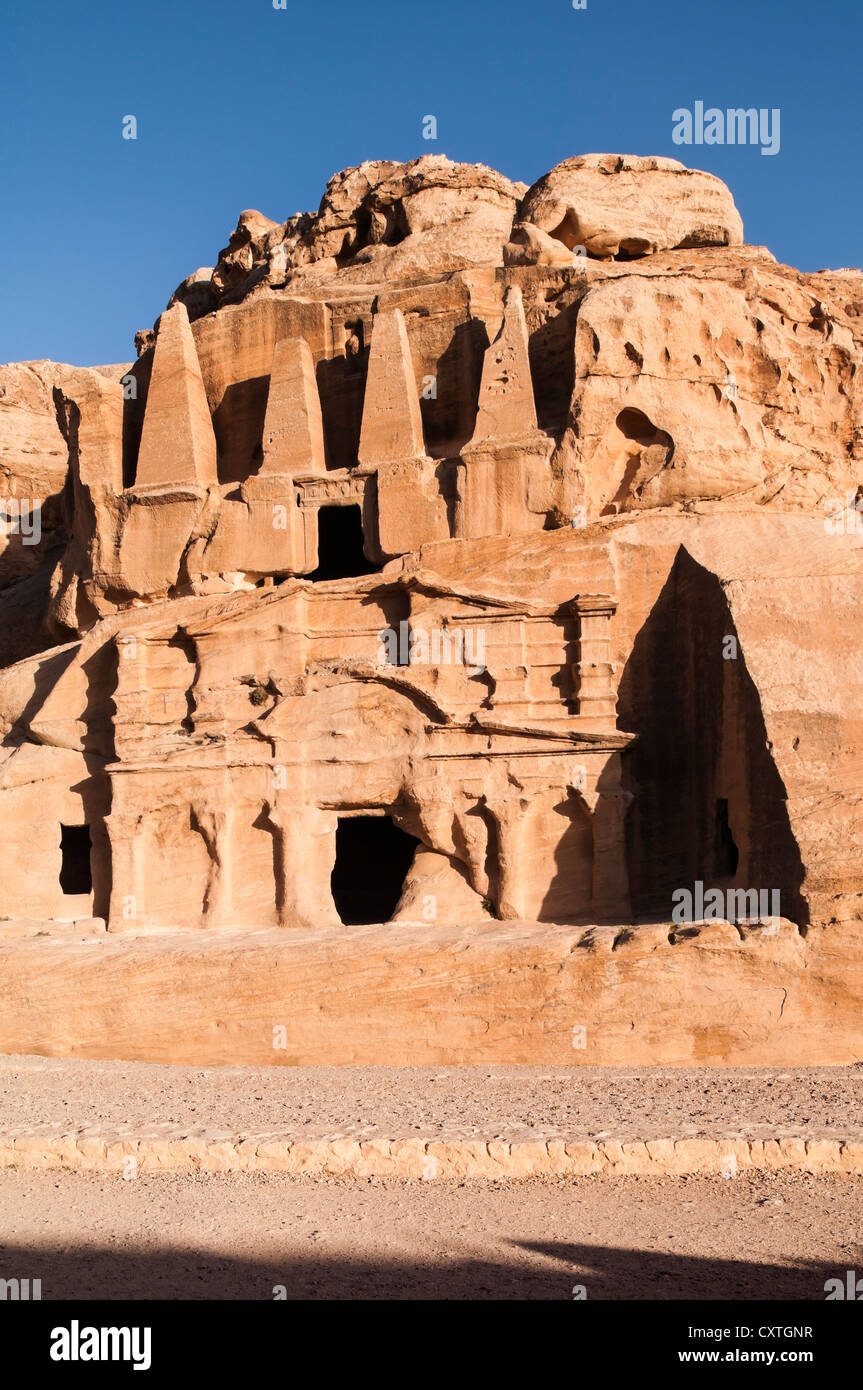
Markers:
point(579, 430)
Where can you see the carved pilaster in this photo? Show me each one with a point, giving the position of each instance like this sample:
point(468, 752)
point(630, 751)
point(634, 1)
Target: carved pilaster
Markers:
point(128, 842)
point(304, 851)
point(610, 877)
point(215, 825)
point(593, 671)
point(508, 817)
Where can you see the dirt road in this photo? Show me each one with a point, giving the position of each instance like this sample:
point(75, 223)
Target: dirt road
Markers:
point(240, 1236)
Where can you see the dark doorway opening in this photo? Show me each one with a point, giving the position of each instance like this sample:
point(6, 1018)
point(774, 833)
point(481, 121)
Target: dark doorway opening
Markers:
point(372, 859)
point(75, 872)
point(726, 853)
point(340, 544)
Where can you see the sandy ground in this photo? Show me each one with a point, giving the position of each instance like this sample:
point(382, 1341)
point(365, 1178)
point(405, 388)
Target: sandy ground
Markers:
point(238, 1236)
point(489, 1102)
point(242, 1235)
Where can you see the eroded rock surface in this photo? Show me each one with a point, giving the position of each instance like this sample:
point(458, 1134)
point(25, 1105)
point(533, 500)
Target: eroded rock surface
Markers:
point(460, 551)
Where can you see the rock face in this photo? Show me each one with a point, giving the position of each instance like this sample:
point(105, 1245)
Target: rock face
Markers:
point(399, 219)
point(34, 475)
point(459, 552)
point(622, 206)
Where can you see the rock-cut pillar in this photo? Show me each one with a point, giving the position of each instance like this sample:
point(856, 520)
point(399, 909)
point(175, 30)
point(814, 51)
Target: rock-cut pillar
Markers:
point(392, 423)
point(410, 510)
point(610, 877)
point(178, 443)
point(506, 407)
point(508, 817)
point(214, 825)
point(129, 848)
point(304, 838)
point(508, 454)
point(293, 426)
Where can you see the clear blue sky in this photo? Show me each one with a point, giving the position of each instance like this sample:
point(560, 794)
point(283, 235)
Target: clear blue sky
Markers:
point(241, 105)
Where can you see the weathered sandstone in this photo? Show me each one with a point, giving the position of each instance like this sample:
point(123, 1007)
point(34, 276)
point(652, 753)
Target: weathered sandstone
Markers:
point(613, 205)
point(411, 1159)
point(477, 560)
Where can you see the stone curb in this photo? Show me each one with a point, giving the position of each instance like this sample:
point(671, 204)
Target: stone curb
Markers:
point(427, 1159)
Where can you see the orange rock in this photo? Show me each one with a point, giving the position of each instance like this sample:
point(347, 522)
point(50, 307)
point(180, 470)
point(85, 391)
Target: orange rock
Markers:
point(462, 571)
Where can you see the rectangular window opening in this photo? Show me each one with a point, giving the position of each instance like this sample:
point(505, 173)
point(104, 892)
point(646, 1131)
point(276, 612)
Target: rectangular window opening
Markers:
point(75, 872)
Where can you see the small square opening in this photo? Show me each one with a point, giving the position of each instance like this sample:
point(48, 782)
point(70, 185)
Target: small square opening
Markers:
point(340, 544)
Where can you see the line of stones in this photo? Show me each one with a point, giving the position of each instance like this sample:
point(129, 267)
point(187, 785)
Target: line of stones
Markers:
point(430, 1159)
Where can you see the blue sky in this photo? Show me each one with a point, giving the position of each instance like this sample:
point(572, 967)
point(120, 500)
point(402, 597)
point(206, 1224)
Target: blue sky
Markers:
point(241, 105)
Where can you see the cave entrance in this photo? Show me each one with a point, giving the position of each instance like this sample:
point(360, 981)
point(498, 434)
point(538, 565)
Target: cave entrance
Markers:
point(372, 860)
point(340, 544)
point(75, 872)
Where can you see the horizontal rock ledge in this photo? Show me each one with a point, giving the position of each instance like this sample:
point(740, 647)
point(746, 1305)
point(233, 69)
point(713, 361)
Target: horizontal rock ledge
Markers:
point(516, 993)
point(430, 1160)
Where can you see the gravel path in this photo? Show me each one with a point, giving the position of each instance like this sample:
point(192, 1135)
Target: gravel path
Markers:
point(458, 1102)
point(239, 1236)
